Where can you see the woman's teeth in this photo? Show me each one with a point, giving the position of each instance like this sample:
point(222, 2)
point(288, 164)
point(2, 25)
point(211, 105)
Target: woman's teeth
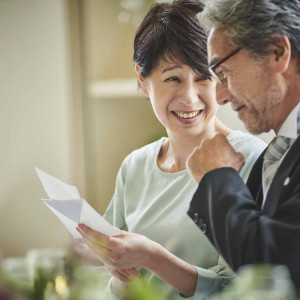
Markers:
point(187, 115)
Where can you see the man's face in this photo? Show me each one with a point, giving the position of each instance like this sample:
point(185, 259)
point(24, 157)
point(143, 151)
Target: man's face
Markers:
point(248, 84)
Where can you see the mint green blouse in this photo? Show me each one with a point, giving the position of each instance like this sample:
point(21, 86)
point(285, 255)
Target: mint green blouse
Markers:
point(154, 203)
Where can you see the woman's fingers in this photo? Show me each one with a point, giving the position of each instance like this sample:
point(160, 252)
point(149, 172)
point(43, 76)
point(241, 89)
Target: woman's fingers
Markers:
point(132, 274)
point(94, 235)
point(125, 275)
point(109, 255)
point(100, 252)
point(120, 276)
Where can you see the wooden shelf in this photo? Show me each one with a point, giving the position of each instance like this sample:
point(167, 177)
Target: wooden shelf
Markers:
point(115, 88)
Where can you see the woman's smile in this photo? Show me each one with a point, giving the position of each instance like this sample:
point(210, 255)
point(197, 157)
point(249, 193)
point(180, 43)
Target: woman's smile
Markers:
point(187, 116)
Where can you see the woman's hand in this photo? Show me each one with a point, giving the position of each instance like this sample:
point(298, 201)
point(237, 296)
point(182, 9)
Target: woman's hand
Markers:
point(122, 255)
point(124, 275)
point(127, 252)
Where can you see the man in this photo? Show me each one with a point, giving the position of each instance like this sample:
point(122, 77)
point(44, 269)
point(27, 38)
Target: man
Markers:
point(254, 54)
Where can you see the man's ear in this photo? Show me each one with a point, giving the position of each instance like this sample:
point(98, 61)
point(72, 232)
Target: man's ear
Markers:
point(142, 81)
point(282, 53)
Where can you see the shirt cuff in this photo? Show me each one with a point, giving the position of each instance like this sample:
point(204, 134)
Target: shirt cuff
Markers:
point(207, 284)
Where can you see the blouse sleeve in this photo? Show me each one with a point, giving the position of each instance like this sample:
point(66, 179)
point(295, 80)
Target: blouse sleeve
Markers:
point(213, 280)
point(251, 148)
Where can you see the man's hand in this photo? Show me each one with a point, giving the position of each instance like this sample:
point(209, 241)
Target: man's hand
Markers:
point(213, 154)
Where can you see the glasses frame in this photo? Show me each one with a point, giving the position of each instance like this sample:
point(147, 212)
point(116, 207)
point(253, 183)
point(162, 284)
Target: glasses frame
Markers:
point(213, 67)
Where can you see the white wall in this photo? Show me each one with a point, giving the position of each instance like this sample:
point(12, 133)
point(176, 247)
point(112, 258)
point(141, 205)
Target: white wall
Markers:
point(37, 120)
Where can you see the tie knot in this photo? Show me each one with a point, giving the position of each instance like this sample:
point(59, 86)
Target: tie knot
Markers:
point(277, 148)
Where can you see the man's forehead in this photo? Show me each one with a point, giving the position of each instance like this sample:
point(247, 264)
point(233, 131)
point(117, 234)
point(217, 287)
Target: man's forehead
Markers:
point(218, 45)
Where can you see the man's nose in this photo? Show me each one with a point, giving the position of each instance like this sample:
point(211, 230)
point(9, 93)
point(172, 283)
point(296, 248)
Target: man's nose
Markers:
point(223, 95)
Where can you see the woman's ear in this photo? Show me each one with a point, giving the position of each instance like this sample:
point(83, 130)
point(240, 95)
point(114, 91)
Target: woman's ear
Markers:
point(142, 80)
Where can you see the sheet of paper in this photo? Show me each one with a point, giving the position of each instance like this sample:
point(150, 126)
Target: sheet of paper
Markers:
point(55, 188)
point(69, 223)
point(66, 204)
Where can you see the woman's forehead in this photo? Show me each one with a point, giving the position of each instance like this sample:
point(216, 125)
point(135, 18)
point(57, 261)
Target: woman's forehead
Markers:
point(169, 59)
point(171, 63)
point(167, 64)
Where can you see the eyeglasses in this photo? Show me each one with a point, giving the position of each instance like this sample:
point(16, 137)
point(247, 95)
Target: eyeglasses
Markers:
point(220, 77)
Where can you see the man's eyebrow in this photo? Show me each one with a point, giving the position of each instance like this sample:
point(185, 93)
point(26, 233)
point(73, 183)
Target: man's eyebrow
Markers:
point(172, 68)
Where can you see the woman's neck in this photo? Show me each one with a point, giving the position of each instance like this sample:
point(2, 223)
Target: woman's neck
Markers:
point(176, 149)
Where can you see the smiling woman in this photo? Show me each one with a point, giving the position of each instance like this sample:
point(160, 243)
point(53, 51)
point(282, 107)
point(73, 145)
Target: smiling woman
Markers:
point(153, 187)
point(182, 98)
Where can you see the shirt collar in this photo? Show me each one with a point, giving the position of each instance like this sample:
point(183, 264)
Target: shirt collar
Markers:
point(289, 127)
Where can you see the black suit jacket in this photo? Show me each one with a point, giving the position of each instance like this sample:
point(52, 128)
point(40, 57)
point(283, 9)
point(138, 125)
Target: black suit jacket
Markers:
point(230, 214)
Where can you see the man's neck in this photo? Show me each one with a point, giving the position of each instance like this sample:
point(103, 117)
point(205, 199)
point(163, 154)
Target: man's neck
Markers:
point(291, 100)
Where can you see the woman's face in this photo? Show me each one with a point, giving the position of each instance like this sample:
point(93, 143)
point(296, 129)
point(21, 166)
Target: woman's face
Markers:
point(183, 101)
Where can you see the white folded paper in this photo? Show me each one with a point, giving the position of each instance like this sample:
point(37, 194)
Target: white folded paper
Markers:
point(66, 204)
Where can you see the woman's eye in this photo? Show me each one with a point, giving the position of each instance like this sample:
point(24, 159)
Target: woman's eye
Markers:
point(172, 78)
point(203, 78)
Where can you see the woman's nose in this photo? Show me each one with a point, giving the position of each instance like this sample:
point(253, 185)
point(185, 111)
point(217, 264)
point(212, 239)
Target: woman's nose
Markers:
point(223, 95)
point(189, 95)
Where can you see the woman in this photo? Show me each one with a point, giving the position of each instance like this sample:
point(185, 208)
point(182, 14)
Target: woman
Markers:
point(153, 187)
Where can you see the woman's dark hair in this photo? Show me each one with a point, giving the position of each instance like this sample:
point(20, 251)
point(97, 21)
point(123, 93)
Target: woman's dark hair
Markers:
point(171, 31)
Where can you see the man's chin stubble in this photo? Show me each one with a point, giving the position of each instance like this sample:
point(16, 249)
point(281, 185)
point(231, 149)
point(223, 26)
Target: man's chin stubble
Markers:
point(257, 128)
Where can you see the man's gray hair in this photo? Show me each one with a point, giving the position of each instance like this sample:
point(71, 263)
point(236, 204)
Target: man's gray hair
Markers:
point(255, 24)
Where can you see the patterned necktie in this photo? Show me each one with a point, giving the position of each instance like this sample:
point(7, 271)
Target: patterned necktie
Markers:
point(273, 154)
point(275, 151)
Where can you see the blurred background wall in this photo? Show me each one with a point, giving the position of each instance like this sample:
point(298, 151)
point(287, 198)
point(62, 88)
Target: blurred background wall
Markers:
point(40, 122)
point(70, 106)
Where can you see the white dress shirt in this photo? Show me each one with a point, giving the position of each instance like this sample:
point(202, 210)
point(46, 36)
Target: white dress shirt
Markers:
point(289, 130)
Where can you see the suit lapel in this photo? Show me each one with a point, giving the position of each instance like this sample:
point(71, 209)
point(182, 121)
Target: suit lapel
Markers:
point(254, 181)
point(284, 171)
